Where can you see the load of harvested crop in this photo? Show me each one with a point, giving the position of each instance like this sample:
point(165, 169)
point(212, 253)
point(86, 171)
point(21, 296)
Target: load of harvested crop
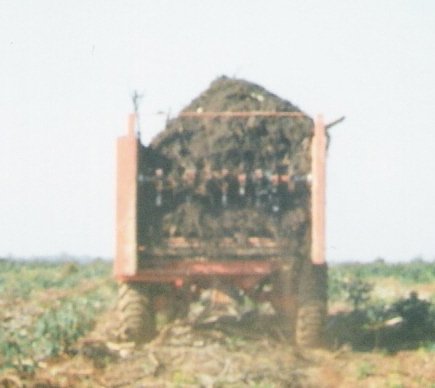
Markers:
point(235, 164)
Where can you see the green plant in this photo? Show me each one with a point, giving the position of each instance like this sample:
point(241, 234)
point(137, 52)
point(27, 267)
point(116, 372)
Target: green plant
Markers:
point(336, 290)
point(377, 312)
point(366, 369)
point(358, 292)
point(33, 328)
point(53, 332)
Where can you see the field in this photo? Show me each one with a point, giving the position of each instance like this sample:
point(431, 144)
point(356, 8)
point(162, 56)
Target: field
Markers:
point(56, 319)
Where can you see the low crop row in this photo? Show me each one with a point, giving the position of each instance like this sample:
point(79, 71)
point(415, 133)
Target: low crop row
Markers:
point(18, 279)
point(414, 272)
point(24, 341)
point(47, 306)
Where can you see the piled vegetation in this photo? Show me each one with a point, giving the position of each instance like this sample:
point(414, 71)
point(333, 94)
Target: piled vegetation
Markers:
point(242, 143)
point(231, 176)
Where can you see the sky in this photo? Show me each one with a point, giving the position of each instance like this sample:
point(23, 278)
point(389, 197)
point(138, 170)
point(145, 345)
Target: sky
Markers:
point(68, 69)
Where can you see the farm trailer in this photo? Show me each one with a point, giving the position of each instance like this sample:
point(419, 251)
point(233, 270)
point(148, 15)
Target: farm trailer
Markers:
point(177, 267)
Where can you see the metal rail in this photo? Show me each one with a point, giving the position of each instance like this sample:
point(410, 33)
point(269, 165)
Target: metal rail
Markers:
point(243, 114)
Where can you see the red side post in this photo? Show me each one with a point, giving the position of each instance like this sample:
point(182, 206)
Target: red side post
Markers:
point(318, 160)
point(126, 202)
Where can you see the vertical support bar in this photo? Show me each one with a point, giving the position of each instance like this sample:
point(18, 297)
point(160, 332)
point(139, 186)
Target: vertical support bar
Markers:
point(318, 160)
point(126, 202)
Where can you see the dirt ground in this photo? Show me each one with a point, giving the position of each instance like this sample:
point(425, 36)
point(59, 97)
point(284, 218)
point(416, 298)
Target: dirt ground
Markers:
point(232, 363)
point(223, 352)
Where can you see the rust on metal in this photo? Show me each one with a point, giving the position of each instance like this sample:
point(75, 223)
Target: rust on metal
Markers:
point(245, 273)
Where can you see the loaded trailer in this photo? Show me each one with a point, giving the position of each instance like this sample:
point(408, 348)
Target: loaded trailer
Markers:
point(232, 196)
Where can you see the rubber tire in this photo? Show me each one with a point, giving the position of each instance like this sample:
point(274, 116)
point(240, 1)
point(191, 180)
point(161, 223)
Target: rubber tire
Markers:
point(283, 298)
point(136, 314)
point(312, 306)
point(310, 323)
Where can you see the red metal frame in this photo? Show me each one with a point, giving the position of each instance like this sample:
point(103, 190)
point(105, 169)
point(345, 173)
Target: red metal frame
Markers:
point(318, 171)
point(246, 274)
point(243, 114)
point(126, 203)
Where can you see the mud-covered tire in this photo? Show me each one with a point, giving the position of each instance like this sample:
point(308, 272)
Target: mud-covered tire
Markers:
point(310, 323)
point(135, 313)
point(312, 305)
point(283, 297)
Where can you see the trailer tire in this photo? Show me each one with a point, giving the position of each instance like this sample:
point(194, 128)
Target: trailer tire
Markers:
point(310, 323)
point(312, 305)
point(136, 313)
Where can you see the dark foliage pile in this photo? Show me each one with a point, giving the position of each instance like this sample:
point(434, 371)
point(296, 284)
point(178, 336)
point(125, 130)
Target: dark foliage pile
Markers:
point(238, 143)
point(204, 153)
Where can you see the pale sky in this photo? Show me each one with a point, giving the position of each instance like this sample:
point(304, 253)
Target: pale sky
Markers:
point(68, 69)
